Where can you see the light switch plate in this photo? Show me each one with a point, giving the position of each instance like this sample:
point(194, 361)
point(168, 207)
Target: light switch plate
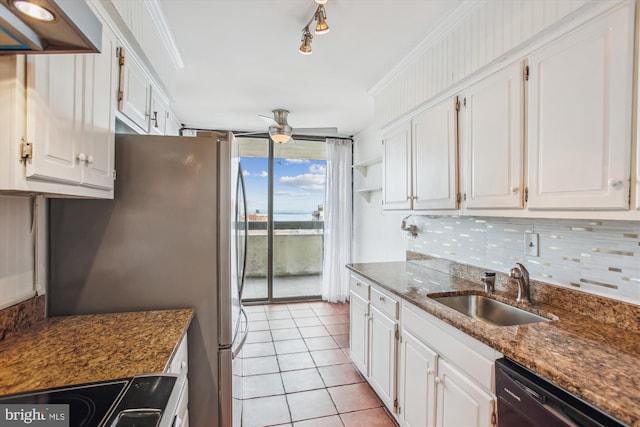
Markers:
point(531, 244)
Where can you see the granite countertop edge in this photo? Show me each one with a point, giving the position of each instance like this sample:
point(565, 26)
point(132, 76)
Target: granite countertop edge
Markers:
point(595, 361)
point(69, 350)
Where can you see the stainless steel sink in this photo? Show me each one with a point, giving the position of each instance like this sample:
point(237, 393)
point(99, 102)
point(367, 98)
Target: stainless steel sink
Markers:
point(489, 310)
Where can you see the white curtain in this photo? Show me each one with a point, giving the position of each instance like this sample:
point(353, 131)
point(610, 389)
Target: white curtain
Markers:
point(337, 221)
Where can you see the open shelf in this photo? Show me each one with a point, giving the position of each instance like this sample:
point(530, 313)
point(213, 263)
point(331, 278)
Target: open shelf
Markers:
point(362, 167)
point(366, 192)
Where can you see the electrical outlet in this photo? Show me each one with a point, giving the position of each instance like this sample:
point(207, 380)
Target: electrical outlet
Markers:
point(531, 244)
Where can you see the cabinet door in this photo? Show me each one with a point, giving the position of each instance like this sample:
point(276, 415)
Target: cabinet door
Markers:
point(54, 116)
point(396, 180)
point(101, 73)
point(359, 332)
point(382, 356)
point(579, 130)
point(158, 115)
point(435, 157)
point(460, 402)
point(416, 391)
point(494, 140)
point(135, 91)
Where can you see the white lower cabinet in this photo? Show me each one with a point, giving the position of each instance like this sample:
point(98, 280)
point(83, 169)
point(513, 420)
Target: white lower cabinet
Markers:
point(460, 402)
point(374, 337)
point(446, 377)
point(382, 356)
point(416, 385)
point(359, 337)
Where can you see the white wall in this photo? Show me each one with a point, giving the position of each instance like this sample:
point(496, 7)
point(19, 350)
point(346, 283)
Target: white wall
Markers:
point(376, 237)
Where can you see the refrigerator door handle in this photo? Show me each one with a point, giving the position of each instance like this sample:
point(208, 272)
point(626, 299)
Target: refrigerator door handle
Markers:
point(245, 332)
point(246, 232)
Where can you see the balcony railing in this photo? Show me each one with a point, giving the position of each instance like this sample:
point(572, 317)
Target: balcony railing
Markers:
point(297, 248)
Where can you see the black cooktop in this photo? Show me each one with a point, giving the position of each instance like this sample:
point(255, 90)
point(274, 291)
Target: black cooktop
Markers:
point(89, 404)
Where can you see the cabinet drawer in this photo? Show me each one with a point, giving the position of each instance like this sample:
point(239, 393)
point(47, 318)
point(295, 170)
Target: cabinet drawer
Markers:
point(384, 303)
point(359, 288)
point(179, 362)
point(473, 357)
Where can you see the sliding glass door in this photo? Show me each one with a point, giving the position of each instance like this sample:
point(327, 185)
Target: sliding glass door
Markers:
point(285, 185)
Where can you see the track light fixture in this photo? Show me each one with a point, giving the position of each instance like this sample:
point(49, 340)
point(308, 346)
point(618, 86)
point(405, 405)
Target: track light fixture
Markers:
point(305, 48)
point(320, 16)
point(321, 24)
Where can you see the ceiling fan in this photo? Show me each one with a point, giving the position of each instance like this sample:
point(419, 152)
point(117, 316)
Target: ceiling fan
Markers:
point(280, 130)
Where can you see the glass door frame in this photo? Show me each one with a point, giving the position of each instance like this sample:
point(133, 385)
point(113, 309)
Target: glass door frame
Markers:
point(270, 298)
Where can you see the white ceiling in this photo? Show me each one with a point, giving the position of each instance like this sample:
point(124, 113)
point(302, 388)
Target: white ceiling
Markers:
point(241, 58)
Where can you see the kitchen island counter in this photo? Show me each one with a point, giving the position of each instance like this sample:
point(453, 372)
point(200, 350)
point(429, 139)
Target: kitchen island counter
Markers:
point(592, 359)
point(61, 351)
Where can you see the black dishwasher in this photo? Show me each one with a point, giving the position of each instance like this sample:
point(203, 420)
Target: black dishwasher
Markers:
point(527, 400)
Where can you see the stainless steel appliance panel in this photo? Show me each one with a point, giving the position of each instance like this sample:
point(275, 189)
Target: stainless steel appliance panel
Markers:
point(155, 246)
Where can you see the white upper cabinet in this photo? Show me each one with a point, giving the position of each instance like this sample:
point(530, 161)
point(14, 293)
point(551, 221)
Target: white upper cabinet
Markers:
point(421, 161)
point(396, 180)
point(579, 111)
point(68, 130)
point(159, 110)
point(135, 91)
point(435, 157)
point(54, 117)
point(492, 138)
point(101, 81)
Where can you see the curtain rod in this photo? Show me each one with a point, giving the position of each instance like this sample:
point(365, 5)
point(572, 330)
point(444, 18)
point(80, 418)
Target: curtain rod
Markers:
point(241, 134)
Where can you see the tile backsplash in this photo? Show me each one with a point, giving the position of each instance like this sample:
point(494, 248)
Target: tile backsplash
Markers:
point(599, 257)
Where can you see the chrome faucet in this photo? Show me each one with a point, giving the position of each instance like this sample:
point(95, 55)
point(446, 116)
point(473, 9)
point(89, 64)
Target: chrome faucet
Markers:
point(489, 281)
point(521, 274)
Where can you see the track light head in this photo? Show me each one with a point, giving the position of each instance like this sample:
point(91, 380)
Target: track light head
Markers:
point(305, 48)
point(321, 24)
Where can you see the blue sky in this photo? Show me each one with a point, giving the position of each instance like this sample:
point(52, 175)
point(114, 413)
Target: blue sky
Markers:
point(298, 184)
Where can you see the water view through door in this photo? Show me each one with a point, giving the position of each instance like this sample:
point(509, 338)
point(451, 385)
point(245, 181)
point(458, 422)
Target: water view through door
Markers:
point(285, 186)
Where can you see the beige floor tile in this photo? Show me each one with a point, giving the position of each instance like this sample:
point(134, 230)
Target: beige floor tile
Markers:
point(377, 417)
point(302, 322)
point(285, 334)
point(354, 397)
point(261, 325)
point(336, 375)
point(342, 341)
point(295, 361)
point(332, 421)
point(314, 331)
point(334, 319)
point(281, 324)
point(338, 328)
point(320, 343)
point(265, 411)
point(310, 404)
point(290, 346)
point(258, 349)
point(329, 357)
point(258, 336)
point(262, 386)
point(303, 380)
point(260, 365)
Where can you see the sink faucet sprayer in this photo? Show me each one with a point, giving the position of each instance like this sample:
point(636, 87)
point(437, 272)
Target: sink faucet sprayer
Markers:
point(521, 274)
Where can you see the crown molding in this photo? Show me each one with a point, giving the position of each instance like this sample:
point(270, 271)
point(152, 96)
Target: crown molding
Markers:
point(443, 27)
point(160, 21)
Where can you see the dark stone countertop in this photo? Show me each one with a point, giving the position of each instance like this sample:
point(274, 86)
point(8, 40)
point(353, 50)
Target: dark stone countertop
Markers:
point(596, 361)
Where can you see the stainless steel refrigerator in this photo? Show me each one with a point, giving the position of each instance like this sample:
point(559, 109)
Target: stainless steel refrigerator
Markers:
point(173, 237)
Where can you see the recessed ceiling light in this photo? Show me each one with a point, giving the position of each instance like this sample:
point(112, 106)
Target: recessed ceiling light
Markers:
point(33, 10)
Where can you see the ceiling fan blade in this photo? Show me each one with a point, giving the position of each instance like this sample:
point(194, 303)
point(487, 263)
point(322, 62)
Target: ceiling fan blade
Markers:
point(270, 121)
point(311, 131)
